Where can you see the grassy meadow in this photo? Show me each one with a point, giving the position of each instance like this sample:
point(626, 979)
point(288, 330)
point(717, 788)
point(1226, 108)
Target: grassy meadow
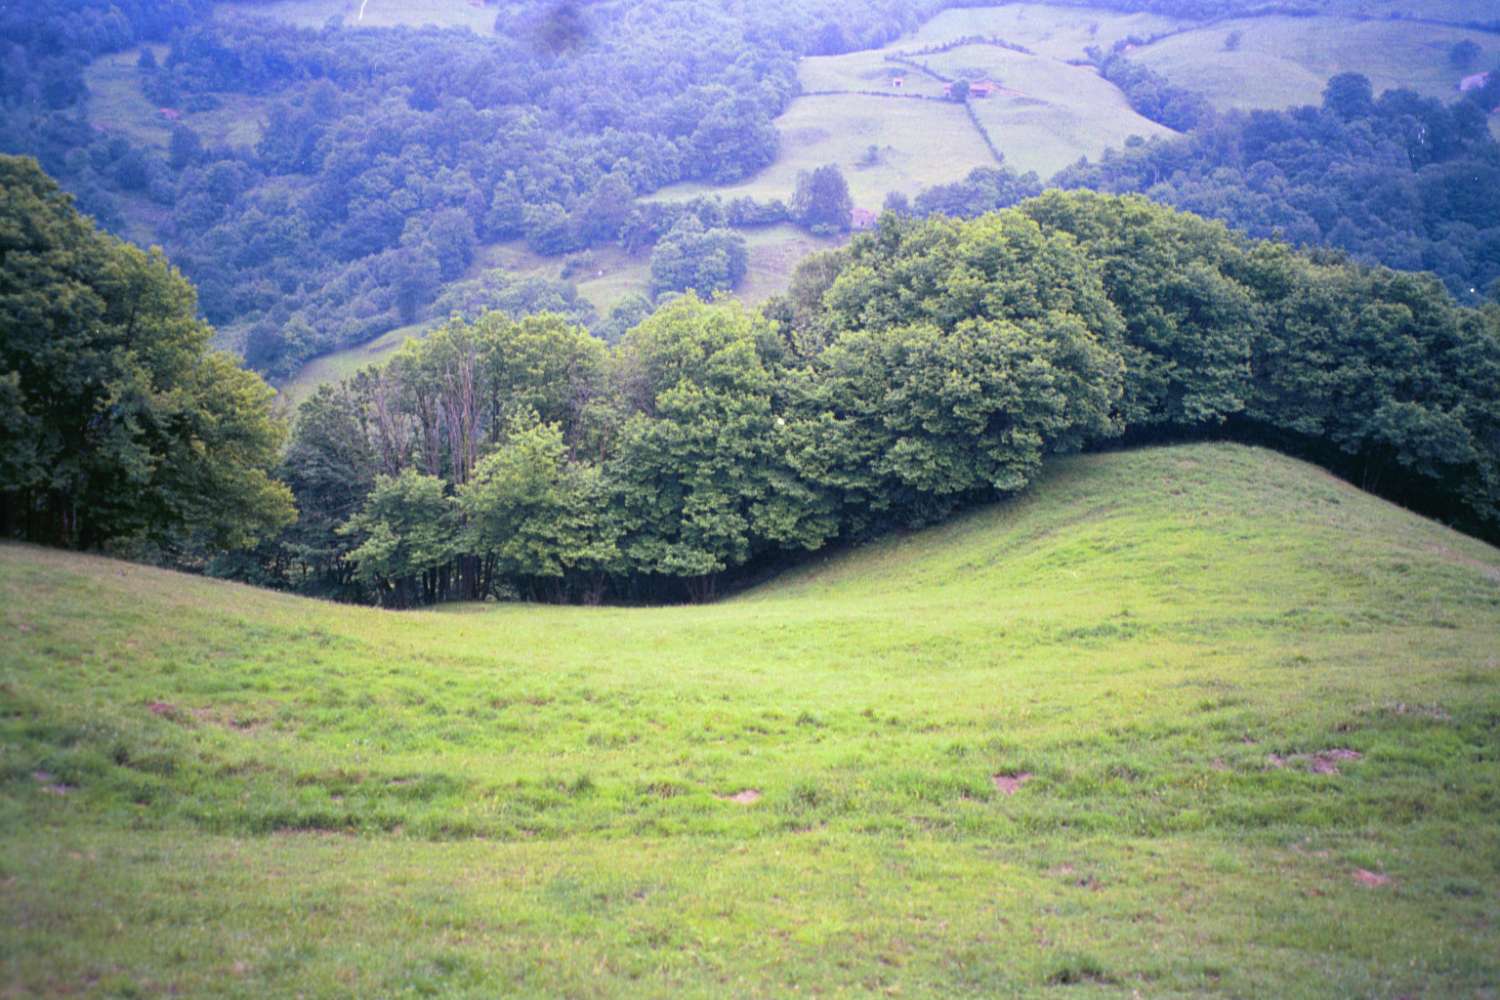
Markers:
point(1282, 61)
point(603, 275)
point(1059, 33)
point(919, 143)
point(1051, 113)
point(1182, 721)
point(339, 365)
point(775, 251)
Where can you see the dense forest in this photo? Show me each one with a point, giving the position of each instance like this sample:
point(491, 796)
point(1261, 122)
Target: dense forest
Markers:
point(388, 156)
point(1398, 179)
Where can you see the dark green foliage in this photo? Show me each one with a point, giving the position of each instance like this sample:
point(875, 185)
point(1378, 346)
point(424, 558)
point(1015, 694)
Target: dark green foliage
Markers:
point(986, 189)
point(1375, 373)
point(822, 201)
point(690, 258)
point(696, 471)
point(120, 426)
point(1152, 96)
point(533, 516)
point(1464, 54)
point(1176, 281)
point(407, 530)
point(1401, 180)
point(958, 356)
point(330, 467)
point(929, 365)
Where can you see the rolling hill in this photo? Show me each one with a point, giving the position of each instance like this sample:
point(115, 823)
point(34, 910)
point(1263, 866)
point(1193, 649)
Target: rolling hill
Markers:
point(1182, 721)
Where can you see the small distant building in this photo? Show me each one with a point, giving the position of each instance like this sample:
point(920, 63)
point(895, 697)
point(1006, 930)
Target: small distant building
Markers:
point(1474, 82)
point(170, 114)
point(979, 89)
point(898, 82)
point(862, 219)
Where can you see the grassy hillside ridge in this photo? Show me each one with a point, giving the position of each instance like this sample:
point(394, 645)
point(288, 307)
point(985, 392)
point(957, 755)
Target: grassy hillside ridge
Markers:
point(1234, 682)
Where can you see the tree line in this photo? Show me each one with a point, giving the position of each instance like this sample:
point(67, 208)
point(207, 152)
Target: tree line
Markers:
point(932, 364)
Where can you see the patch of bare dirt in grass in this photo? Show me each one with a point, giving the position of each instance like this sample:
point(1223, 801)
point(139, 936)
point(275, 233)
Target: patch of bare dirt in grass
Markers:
point(1322, 762)
point(745, 797)
point(1010, 784)
point(1372, 879)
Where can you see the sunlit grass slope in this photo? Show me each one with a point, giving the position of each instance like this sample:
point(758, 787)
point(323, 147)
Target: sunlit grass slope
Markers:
point(1259, 712)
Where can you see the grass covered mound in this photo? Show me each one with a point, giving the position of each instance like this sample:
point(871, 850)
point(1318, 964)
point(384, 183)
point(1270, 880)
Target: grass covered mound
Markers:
point(1181, 720)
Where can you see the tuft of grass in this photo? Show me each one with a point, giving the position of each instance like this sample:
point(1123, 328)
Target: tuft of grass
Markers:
point(212, 790)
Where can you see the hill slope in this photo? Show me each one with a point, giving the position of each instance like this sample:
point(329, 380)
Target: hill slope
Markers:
point(1187, 720)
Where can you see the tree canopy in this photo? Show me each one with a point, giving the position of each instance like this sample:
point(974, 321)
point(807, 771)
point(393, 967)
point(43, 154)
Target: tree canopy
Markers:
point(931, 364)
point(118, 423)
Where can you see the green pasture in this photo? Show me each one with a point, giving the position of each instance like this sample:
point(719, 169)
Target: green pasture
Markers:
point(603, 275)
point(339, 365)
point(918, 143)
point(869, 70)
point(1050, 113)
point(117, 104)
point(1061, 33)
point(1282, 61)
point(1177, 722)
point(775, 252)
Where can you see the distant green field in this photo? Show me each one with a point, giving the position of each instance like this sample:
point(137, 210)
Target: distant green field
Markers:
point(603, 275)
point(920, 143)
point(775, 252)
point(1282, 61)
point(1052, 113)
point(1058, 113)
point(865, 71)
point(376, 13)
point(116, 103)
point(1194, 721)
point(342, 364)
point(1053, 32)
